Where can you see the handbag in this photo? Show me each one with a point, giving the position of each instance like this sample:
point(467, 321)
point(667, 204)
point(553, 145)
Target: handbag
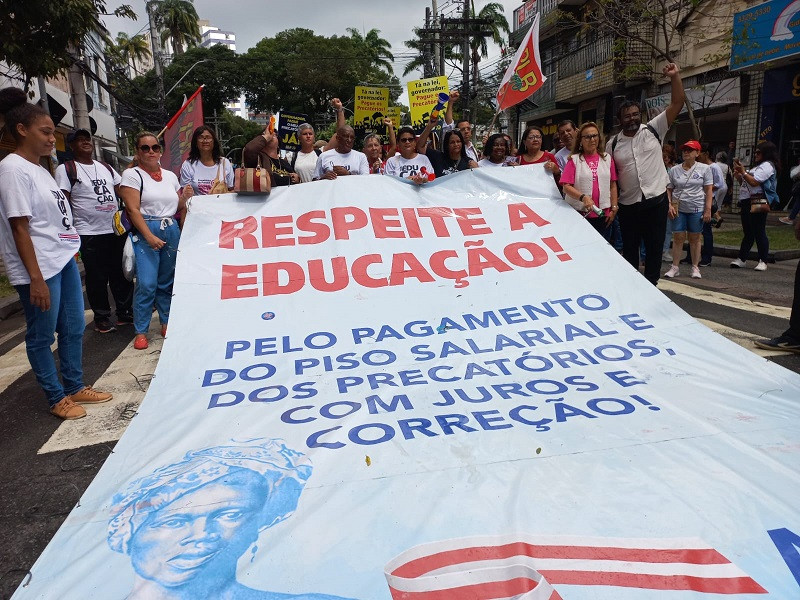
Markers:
point(759, 204)
point(219, 185)
point(128, 260)
point(252, 181)
point(120, 222)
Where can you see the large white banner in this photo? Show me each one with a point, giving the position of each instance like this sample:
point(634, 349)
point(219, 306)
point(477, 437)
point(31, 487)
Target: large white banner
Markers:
point(373, 390)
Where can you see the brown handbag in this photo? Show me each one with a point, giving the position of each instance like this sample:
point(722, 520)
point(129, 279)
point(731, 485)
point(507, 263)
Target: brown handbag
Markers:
point(219, 185)
point(252, 181)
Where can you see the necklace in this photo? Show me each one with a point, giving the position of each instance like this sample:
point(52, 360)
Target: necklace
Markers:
point(87, 173)
point(155, 176)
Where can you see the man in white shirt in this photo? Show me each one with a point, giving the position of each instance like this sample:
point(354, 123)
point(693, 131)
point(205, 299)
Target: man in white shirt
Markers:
point(643, 204)
point(342, 160)
point(566, 133)
point(463, 126)
point(91, 187)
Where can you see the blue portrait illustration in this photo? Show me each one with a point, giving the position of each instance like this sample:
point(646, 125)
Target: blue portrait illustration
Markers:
point(186, 525)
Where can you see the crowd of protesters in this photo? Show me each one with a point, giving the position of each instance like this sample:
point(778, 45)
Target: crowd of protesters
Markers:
point(630, 189)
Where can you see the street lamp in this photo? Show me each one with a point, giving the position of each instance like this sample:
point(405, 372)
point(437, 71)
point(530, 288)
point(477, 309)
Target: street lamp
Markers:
point(185, 74)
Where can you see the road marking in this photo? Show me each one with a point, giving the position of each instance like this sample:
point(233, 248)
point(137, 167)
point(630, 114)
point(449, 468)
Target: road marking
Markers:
point(128, 378)
point(14, 363)
point(743, 338)
point(724, 299)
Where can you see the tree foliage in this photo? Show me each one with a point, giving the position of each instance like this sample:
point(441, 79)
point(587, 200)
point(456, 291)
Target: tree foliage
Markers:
point(126, 50)
point(37, 34)
point(177, 20)
point(299, 71)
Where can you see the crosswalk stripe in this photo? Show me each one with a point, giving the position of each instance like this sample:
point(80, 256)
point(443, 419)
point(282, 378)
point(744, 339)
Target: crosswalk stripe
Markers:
point(128, 378)
point(743, 338)
point(724, 299)
point(14, 363)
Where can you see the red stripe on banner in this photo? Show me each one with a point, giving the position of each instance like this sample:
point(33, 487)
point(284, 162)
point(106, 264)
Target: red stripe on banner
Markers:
point(479, 591)
point(426, 564)
point(708, 585)
point(555, 596)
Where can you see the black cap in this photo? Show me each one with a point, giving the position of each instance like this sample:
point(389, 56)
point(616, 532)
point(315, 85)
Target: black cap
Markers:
point(71, 137)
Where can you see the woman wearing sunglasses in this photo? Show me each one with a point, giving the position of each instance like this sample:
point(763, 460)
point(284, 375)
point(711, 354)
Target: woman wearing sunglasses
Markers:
point(38, 242)
point(410, 164)
point(152, 197)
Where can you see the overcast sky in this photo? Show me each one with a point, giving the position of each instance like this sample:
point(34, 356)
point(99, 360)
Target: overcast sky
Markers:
point(252, 20)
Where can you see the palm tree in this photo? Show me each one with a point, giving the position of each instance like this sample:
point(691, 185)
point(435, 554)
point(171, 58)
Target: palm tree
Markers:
point(422, 60)
point(128, 50)
point(177, 20)
point(378, 48)
point(478, 46)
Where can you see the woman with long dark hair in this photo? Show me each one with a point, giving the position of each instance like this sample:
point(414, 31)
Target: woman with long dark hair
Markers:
point(754, 223)
point(206, 170)
point(532, 153)
point(152, 197)
point(452, 157)
point(38, 242)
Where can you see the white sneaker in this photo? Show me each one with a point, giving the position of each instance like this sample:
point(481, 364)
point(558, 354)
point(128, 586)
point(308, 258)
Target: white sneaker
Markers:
point(673, 271)
point(696, 273)
point(667, 256)
point(761, 266)
point(786, 221)
point(738, 264)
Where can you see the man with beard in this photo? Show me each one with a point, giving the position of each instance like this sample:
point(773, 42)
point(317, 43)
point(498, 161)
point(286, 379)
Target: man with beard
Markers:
point(643, 204)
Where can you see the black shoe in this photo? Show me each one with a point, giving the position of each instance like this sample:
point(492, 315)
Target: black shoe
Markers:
point(782, 342)
point(705, 263)
point(103, 326)
point(124, 320)
point(719, 222)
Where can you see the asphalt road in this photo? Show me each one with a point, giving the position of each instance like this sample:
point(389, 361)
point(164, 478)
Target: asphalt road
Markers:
point(39, 490)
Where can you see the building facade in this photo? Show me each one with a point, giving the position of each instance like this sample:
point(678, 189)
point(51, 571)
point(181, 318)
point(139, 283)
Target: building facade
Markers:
point(214, 36)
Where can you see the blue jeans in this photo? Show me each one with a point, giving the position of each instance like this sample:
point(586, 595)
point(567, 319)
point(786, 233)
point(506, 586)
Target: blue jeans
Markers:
point(65, 317)
point(155, 273)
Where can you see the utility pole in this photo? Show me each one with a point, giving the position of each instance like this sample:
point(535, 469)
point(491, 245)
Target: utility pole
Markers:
point(154, 42)
point(437, 59)
point(77, 88)
point(465, 100)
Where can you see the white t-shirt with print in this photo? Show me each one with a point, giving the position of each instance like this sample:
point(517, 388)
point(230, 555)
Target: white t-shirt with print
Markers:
point(408, 167)
point(485, 162)
point(92, 198)
point(305, 164)
point(28, 190)
point(688, 186)
point(761, 173)
point(354, 161)
point(159, 198)
point(201, 177)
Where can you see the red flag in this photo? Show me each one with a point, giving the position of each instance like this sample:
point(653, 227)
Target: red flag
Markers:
point(179, 130)
point(510, 567)
point(524, 74)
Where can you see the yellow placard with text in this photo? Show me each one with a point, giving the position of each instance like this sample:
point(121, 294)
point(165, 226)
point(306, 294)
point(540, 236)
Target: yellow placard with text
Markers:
point(371, 104)
point(423, 95)
point(394, 113)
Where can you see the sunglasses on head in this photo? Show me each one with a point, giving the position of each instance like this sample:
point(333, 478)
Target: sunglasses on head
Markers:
point(146, 148)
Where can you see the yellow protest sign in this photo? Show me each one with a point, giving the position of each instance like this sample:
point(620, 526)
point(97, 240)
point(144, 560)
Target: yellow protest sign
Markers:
point(370, 108)
point(423, 95)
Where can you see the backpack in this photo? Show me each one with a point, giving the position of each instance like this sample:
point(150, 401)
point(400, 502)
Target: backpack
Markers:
point(72, 171)
point(317, 151)
point(649, 127)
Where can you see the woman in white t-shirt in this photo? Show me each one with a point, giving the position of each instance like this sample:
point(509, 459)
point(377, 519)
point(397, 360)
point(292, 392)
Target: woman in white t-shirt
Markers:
point(38, 242)
point(754, 224)
point(152, 196)
point(206, 170)
point(409, 164)
point(304, 161)
point(495, 152)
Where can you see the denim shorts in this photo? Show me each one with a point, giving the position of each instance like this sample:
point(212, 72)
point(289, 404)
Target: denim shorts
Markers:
point(691, 221)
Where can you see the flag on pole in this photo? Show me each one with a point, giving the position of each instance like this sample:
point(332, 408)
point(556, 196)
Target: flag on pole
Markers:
point(511, 567)
point(524, 74)
point(178, 132)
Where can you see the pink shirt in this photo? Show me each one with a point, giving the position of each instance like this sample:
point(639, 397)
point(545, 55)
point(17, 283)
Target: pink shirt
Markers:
point(568, 176)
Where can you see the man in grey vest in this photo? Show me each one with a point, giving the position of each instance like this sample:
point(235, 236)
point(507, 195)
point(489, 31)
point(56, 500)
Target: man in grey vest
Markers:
point(643, 204)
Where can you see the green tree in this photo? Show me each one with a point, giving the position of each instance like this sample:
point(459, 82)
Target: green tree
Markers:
point(126, 50)
point(299, 71)
point(37, 34)
point(479, 48)
point(378, 48)
point(177, 20)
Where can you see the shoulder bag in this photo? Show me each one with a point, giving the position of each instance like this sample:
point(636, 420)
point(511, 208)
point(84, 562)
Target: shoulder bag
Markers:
point(252, 181)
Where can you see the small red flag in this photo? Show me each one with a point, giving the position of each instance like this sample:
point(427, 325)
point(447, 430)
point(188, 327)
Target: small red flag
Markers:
point(524, 74)
point(179, 130)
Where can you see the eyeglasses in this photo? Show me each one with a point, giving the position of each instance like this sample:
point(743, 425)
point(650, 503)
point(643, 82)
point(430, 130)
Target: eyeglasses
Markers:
point(465, 129)
point(591, 136)
point(533, 137)
point(146, 148)
point(406, 140)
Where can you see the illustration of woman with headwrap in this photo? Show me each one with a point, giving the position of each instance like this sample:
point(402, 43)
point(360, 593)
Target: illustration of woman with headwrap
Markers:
point(186, 525)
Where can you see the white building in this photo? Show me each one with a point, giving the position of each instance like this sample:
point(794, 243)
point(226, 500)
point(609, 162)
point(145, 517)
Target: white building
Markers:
point(214, 36)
